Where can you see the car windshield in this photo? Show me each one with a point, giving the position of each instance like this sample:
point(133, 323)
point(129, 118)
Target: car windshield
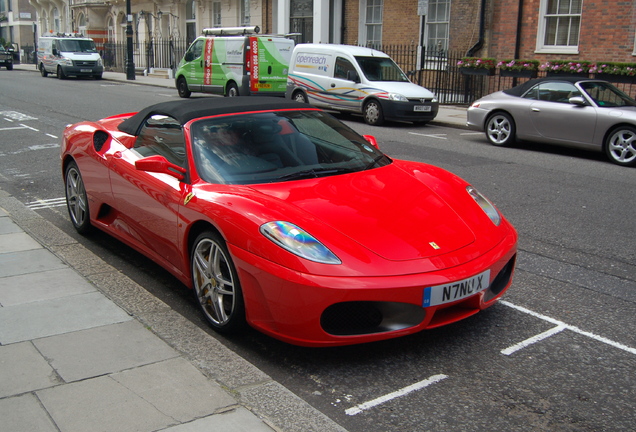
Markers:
point(606, 95)
point(77, 45)
point(381, 69)
point(281, 146)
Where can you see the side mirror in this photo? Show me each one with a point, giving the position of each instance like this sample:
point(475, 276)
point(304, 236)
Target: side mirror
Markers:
point(188, 56)
point(55, 52)
point(353, 76)
point(577, 100)
point(159, 164)
point(371, 140)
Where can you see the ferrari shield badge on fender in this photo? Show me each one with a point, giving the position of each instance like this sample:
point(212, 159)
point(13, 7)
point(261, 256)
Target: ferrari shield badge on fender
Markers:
point(188, 198)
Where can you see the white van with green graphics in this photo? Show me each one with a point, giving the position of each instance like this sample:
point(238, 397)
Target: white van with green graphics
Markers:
point(235, 61)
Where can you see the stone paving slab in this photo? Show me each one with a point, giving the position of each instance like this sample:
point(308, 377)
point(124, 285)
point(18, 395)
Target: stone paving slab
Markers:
point(176, 388)
point(42, 286)
point(25, 262)
point(24, 413)
point(101, 405)
point(103, 350)
point(7, 226)
point(23, 369)
point(238, 420)
point(41, 319)
point(17, 242)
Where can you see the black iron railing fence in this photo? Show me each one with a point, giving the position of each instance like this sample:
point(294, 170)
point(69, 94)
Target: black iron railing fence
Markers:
point(434, 69)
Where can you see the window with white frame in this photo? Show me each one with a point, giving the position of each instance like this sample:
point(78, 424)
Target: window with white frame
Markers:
point(216, 14)
point(559, 26)
point(437, 24)
point(56, 21)
point(373, 22)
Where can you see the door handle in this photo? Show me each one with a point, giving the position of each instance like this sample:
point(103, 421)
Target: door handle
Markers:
point(333, 85)
point(536, 110)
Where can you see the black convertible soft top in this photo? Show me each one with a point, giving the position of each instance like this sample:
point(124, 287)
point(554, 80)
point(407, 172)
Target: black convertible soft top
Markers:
point(521, 89)
point(187, 109)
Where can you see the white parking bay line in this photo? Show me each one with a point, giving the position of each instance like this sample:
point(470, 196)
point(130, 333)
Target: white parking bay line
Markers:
point(396, 394)
point(560, 325)
point(439, 136)
point(533, 339)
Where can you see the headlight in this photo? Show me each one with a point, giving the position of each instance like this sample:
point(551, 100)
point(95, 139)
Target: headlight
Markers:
point(485, 205)
point(67, 61)
point(397, 97)
point(299, 242)
point(99, 61)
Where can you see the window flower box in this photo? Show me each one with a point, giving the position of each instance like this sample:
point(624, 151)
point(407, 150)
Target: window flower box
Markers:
point(477, 66)
point(518, 68)
point(615, 72)
point(567, 68)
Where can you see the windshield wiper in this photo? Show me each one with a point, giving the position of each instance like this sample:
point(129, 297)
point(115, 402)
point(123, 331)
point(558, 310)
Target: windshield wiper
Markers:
point(314, 173)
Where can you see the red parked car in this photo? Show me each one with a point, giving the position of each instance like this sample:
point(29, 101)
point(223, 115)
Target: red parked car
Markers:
point(280, 216)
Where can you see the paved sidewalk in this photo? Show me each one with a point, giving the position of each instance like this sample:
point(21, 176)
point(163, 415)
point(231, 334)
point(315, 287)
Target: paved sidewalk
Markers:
point(83, 348)
point(449, 115)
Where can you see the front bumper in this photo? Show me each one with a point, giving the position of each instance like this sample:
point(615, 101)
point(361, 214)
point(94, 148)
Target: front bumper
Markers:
point(83, 70)
point(309, 310)
point(406, 111)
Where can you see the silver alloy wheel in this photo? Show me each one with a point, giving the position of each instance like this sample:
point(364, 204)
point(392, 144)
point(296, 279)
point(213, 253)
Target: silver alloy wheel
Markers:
point(76, 199)
point(621, 146)
point(214, 282)
point(500, 129)
point(232, 90)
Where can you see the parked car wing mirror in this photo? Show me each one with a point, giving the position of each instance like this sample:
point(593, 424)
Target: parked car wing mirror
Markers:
point(159, 164)
point(371, 140)
point(577, 100)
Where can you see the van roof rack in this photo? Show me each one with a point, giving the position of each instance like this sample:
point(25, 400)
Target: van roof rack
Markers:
point(67, 35)
point(231, 31)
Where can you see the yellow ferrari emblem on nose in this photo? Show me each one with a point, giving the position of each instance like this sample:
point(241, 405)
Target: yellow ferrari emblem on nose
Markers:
point(188, 198)
point(434, 245)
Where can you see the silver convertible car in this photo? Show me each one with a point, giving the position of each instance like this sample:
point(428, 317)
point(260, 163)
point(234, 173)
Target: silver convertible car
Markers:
point(576, 112)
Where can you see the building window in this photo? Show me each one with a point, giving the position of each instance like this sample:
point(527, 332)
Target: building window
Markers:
point(437, 20)
point(302, 20)
point(559, 26)
point(245, 12)
point(191, 21)
point(216, 14)
point(373, 23)
point(56, 21)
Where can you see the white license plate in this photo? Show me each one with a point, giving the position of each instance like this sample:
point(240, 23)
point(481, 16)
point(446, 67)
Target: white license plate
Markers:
point(440, 294)
point(86, 70)
point(422, 108)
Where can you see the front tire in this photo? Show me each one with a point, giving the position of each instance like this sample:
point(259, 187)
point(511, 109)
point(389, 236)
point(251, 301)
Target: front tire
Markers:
point(43, 71)
point(216, 285)
point(182, 88)
point(373, 114)
point(620, 146)
point(232, 90)
point(60, 73)
point(77, 199)
point(10, 66)
point(500, 129)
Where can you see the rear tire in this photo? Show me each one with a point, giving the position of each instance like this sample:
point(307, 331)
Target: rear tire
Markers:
point(182, 88)
point(620, 146)
point(300, 96)
point(501, 129)
point(232, 90)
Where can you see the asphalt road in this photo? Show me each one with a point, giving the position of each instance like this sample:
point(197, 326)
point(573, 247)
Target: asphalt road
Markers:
point(559, 353)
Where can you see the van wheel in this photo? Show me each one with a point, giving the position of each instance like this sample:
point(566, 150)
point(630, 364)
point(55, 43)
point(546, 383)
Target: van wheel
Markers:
point(300, 97)
point(10, 66)
point(373, 113)
point(98, 76)
point(43, 71)
point(60, 73)
point(232, 90)
point(182, 88)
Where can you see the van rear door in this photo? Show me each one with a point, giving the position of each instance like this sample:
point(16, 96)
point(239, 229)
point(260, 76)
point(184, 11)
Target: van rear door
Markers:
point(269, 59)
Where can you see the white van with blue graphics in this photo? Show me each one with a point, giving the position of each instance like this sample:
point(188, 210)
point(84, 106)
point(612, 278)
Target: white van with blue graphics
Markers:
point(360, 80)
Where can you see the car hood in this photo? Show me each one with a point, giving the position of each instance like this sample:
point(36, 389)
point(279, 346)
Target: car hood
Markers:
point(386, 210)
point(407, 89)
